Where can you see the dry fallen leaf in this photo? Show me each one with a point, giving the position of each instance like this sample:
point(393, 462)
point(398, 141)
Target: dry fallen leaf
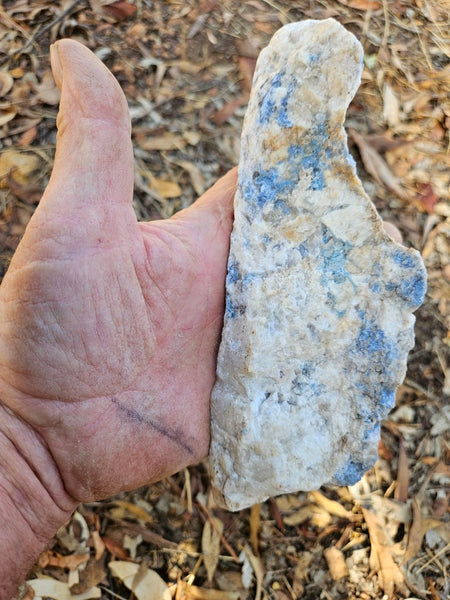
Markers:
point(319, 516)
point(428, 198)
point(147, 586)
point(165, 189)
point(6, 83)
point(197, 179)
point(361, 4)
point(192, 592)
point(229, 109)
point(333, 507)
point(71, 561)
point(47, 91)
point(255, 521)
point(167, 141)
point(402, 484)
point(391, 106)
point(58, 590)
point(390, 575)
point(420, 525)
point(258, 570)
point(119, 10)
point(7, 114)
point(211, 545)
point(336, 563)
point(376, 166)
point(19, 164)
point(125, 510)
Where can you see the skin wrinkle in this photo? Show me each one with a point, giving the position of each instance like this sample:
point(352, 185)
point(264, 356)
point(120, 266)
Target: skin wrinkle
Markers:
point(136, 417)
point(36, 473)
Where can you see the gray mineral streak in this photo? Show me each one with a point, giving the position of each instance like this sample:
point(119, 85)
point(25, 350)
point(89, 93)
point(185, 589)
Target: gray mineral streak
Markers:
point(319, 300)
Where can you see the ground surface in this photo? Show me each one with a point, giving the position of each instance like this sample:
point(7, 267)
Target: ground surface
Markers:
point(186, 69)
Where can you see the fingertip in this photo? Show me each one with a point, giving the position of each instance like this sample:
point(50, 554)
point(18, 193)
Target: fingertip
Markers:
point(87, 86)
point(393, 232)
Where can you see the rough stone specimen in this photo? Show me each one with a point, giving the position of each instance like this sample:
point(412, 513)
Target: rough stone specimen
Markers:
point(318, 318)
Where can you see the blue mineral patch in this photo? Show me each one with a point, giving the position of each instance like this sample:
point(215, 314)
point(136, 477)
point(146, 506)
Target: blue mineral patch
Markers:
point(331, 302)
point(350, 473)
point(267, 106)
point(303, 249)
point(411, 289)
point(334, 258)
point(413, 286)
point(370, 433)
point(404, 259)
point(232, 311)
point(387, 398)
point(372, 341)
point(313, 155)
point(283, 119)
point(268, 186)
point(233, 274)
point(375, 287)
point(314, 58)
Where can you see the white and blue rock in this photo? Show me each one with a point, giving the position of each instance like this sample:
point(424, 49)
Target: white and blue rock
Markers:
point(319, 300)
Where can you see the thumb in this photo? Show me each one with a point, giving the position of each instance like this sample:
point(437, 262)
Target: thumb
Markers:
point(92, 178)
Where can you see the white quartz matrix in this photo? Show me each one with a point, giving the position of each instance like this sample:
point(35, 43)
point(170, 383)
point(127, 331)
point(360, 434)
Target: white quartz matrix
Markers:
point(319, 300)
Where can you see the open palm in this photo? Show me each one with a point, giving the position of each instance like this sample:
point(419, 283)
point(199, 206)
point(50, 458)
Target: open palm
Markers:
point(109, 327)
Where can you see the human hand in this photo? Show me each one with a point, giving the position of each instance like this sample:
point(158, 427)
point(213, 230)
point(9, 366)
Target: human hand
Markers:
point(108, 327)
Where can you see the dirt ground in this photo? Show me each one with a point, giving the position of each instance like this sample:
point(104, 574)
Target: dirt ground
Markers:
point(186, 70)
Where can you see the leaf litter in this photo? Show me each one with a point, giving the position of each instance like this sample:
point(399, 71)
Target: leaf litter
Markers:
point(186, 70)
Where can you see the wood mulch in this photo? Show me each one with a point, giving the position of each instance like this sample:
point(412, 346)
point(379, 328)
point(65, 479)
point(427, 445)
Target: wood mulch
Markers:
point(186, 70)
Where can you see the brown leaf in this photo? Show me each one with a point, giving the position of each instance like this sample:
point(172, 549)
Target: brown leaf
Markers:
point(229, 109)
point(6, 83)
point(247, 69)
point(255, 521)
point(211, 545)
point(418, 529)
point(428, 198)
point(145, 583)
point(276, 514)
point(192, 592)
point(27, 136)
point(123, 510)
point(99, 545)
point(47, 90)
point(71, 562)
point(115, 548)
point(390, 575)
point(165, 189)
point(336, 563)
point(333, 507)
point(248, 47)
point(167, 141)
point(119, 10)
point(391, 106)
point(376, 166)
point(19, 165)
point(402, 484)
point(257, 569)
point(7, 114)
point(197, 179)
point(361, 4)
point(29, 192)
point(93, 574)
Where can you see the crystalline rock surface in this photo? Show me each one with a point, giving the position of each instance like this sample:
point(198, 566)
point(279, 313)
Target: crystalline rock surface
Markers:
point(319, 300)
